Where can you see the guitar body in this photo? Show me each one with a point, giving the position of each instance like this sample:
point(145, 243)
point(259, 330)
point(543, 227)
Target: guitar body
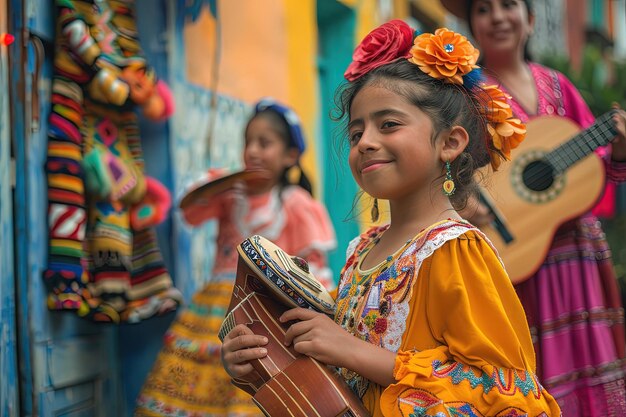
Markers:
point(532, 216)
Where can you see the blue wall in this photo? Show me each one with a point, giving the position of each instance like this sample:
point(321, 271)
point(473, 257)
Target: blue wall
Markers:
point(336, 24)
point(140, 343)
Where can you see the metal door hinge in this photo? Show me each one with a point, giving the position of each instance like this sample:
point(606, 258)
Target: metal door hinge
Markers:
point(13, 172)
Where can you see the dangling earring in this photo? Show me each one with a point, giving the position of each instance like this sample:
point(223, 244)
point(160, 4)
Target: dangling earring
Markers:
point(293, 174)
point(448, 183)
point(374, 213)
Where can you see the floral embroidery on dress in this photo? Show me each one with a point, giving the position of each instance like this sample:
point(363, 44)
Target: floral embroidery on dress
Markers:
point(374, 304)
point(549, 94)
point(506, 381)
point(421, 403)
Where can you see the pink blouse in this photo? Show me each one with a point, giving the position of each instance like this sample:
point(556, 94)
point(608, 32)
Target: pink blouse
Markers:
point(292, 219)
point(559, 97)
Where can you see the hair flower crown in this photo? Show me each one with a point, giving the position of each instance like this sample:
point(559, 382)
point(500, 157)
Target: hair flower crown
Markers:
point(451, 58)
point(444, 55)
point(506, 131)
point(385, 44)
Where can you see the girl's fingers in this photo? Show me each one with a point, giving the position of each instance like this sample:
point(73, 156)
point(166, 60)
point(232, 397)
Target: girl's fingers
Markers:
point(237, 371)
point(243, 356)
point(241, 337)
point(239, 330)
point(620, 120)
point(237, 363)
point(241, 346)
point(302, 345)
point(297, 314)
point(246, 341)
point(296, 330)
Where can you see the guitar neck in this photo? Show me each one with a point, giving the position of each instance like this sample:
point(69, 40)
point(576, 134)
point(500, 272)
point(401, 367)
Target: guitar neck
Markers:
point(498, 222)
point(597, 135)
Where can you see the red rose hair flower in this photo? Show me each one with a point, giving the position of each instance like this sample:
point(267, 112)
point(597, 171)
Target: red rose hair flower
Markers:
point(381, 46)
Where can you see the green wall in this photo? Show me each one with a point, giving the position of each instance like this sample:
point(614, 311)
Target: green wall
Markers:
point(336, 25)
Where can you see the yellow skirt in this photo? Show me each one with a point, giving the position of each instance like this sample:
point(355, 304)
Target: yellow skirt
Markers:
point(187, 379)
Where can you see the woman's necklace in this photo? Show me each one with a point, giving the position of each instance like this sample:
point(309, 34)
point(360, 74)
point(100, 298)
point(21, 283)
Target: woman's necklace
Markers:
point(528, 100)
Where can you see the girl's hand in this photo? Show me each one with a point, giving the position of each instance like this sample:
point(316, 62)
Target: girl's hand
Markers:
point(619, 143)
point(236, 193)
point(316, 335)
point(233, 198)
point(240, 346)
point(319, 337)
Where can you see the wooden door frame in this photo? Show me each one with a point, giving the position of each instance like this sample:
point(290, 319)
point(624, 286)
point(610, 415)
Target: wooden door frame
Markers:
point(9, 386)
point(20, 126)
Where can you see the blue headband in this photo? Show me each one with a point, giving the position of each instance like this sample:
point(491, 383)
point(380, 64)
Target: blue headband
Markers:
point(289, 116)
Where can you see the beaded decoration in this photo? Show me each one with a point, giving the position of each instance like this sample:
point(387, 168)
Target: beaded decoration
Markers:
point(448, 183)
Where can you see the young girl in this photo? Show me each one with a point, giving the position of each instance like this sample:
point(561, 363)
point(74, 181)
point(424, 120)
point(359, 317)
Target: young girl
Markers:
point(187, 378)
point(427, 322)
point(573, 301)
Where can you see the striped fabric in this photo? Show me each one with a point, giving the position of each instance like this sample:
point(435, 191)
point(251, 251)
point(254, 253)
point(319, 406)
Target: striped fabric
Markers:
point(98, 266)
point(572, 302)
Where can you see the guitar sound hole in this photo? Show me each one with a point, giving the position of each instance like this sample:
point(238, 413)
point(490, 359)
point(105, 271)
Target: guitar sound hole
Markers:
point(538, 176)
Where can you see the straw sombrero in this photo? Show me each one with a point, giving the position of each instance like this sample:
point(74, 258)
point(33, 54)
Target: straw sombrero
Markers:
point(456, 7)
point(459, 7)
point(198, 195)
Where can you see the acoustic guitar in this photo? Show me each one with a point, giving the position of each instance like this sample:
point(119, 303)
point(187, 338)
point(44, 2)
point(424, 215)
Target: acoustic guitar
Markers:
point(554, 176)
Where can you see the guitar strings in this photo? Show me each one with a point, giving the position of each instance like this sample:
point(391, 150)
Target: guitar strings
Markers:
point(570, 150)
point(566, 155)
point(565, 151)
point(559, 160)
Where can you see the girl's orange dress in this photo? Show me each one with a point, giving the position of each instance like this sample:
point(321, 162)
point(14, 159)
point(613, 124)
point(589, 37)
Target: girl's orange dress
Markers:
point(445, 304)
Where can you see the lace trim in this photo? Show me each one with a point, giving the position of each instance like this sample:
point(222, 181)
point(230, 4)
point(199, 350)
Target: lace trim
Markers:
point(378, 314)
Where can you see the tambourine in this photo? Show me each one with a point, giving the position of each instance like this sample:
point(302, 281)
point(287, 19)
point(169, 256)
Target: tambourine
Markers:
point(285, 382)
point(217, 181)
point(287, 277)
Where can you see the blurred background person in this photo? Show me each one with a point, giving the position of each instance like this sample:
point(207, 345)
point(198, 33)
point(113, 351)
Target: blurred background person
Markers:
point(188, 376)
point(572, 302)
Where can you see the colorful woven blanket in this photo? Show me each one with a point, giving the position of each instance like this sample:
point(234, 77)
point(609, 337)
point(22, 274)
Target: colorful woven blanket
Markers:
point(104, 261)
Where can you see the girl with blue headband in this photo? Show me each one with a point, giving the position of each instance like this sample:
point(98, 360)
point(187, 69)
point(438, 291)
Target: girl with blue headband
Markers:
point(188, 377)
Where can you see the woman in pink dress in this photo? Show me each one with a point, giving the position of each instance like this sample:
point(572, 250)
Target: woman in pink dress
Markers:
point(187, 378)
point(572, 302)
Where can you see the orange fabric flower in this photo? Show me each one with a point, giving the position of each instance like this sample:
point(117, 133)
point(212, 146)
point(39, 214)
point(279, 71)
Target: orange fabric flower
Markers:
point(505, 136)
point(444, 55)
point(506, 132)
point(496, 103)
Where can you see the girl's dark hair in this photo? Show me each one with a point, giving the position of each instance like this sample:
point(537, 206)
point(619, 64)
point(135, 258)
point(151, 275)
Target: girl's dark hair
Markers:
point(281, 127)
point(446, 104)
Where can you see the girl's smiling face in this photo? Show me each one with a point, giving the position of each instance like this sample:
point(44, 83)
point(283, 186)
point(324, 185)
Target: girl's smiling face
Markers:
point(266, 150)
point(392, 152)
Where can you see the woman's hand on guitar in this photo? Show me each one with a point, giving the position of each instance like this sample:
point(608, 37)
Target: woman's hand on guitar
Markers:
point(239, 347)
point(317, 335)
